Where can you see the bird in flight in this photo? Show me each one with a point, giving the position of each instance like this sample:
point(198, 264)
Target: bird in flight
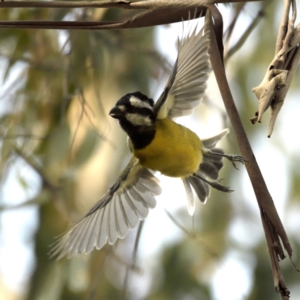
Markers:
point(157, 143)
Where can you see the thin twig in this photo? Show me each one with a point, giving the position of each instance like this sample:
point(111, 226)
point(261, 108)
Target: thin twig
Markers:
point(247, 32)
point(194, 236)
point(82, 102)
point(100, 274)
point(132, 266)
point(228, 33)
point(85, 108)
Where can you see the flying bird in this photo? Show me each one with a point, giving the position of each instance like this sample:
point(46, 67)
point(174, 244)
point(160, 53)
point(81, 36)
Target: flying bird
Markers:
point(157, 143)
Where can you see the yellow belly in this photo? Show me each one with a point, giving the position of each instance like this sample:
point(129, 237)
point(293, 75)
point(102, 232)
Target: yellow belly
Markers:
point(175, 150)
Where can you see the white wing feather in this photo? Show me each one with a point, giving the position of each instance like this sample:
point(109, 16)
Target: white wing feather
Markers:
point(187, 82)
point(126, 203)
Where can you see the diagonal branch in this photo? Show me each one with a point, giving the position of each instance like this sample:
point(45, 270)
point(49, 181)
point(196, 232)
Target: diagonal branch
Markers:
point(274, 230)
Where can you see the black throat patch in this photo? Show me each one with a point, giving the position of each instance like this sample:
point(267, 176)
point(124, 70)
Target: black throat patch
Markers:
point(140, 136)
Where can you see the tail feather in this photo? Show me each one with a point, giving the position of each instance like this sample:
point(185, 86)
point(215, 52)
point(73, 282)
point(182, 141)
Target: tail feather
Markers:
point(208, 169)
point(190, 197)
point(200, 187)
point(212, 141)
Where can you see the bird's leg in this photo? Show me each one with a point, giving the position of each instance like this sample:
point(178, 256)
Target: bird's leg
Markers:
point(215, 185)
point(231, 157)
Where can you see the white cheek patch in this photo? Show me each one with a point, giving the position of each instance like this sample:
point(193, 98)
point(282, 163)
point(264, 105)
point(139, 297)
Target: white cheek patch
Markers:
point(134, 101)
point(136, 119)
point(122, 107)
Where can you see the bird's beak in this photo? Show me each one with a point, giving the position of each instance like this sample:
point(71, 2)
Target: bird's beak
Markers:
point(116, 112)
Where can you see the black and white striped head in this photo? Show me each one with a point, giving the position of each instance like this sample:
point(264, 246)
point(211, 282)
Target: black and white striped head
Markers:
point(134, 109)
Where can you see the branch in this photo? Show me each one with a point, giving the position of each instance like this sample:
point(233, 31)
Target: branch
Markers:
point(274, 230)
point(158, 12)
point(110, 4)
point(33, 164)
point(64, 4)
point(260, 14)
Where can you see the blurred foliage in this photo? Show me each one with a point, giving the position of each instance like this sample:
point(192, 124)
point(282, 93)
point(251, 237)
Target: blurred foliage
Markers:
point(55, 120)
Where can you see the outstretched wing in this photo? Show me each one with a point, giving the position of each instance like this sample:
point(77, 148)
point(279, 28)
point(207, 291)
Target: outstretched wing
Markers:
point(187, 83)
point(119, 210)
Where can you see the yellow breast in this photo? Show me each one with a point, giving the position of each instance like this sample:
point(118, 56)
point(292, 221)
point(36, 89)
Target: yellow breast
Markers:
point(175, 150)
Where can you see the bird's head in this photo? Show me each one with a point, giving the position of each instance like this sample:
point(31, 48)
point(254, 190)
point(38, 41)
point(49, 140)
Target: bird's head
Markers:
point(134, 109)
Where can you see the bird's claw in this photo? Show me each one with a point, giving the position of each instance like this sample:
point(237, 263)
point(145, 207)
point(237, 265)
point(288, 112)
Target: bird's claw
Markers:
point(236, 158)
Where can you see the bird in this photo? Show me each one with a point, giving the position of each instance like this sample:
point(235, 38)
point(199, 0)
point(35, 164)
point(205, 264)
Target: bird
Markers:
point(157, 144)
